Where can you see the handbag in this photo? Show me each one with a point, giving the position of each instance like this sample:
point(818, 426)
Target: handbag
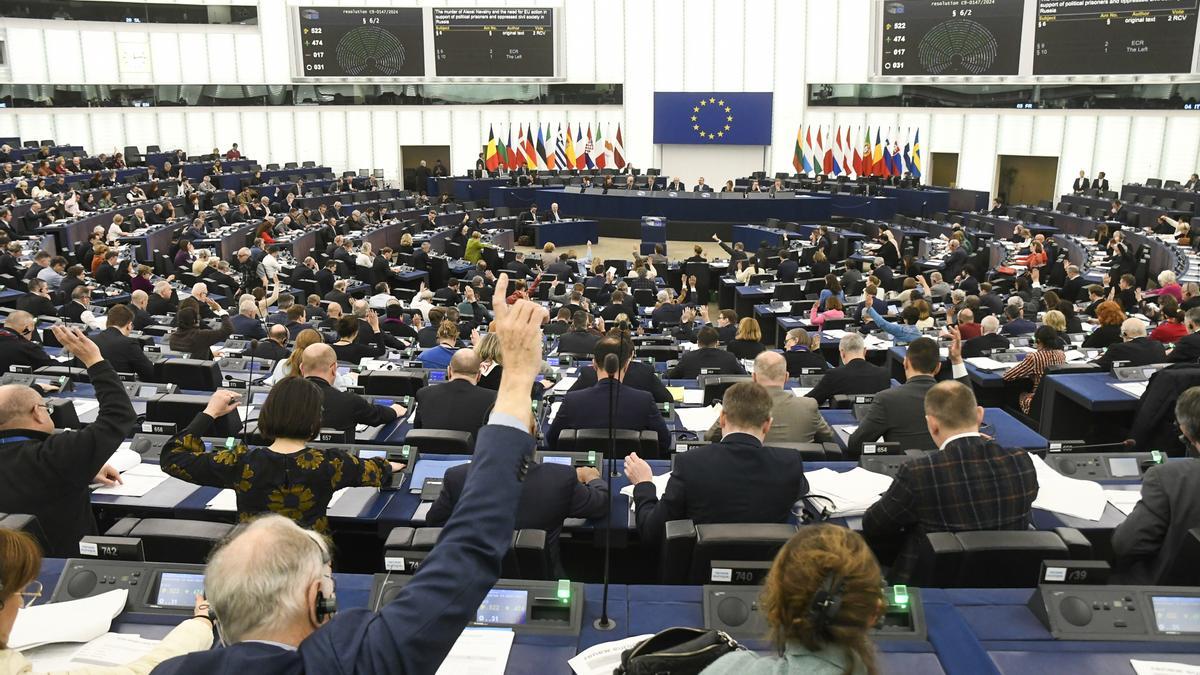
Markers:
point(676, 651)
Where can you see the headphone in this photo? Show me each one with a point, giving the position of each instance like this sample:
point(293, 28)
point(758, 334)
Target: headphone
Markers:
point(325, 607)
point(826, 603)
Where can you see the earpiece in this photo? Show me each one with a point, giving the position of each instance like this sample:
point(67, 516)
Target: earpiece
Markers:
point(827, 601)
point(325, 608)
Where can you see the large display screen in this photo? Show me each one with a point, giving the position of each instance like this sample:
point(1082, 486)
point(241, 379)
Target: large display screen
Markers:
point(1176, 614)
point(493, 41)
point(1114, 37)
point(951, 37)
point(503, 607)
point(361, 42)
point(179, 589)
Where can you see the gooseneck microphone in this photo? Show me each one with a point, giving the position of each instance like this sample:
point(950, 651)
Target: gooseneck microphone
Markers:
point(612, 366)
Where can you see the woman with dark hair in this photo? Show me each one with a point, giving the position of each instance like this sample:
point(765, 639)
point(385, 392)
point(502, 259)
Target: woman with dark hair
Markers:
point(1033, 367)
point(348, 348)
point(821, 599)
point(191, 338)
point(286, 477)
point(1170, 328)
point(833, 288)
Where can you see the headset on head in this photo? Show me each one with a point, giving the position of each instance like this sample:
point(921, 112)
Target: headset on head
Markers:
point(826, 602)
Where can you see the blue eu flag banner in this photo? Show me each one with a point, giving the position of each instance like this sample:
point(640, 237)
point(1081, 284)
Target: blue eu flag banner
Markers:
point(712, 117)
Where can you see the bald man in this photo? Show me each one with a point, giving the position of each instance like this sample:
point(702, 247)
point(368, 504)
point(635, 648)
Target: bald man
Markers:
point(794, 419)
point(17, 347)
point(274, 348)
point(457, 403)
point(47, 474)
point(342, 410)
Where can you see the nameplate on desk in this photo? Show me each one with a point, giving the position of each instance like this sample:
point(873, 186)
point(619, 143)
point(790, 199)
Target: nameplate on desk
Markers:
point(879, 448)
point(236, 384)
point(1093, 572)
point(168, 428)
point(408, 563)
point(22, 369)
point(739, 573)
point(153, 349)
point(1064, 446)
point(111, 548)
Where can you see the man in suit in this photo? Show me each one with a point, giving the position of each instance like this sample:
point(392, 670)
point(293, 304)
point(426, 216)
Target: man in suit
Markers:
point(420, 258)
point(895, 414)
point(789, 267)
point(17, 347)
point(342, 410)
point(274, 348)
point(326, 278)
point(989, 339)
point(1073, 287)
point(712, 484)
point(736, 252)
point(122, 352)
point(1135, 349)
point(726, 325)
point(554, 216)
point(1101, 183)
point(37, 302)
point(1016, 323)
point(457, 404)
point(794, 419)
point(578, 340)
point(1187, 349)
point(708, 354)
point(138, 301)
point(676, 185)
point(854, 376)
point(284, 631)
point(517, 268)
point(800, 352)
point(246, 323)
point(163, 301)
point(588, 409)
point(1081, 184)
point(449, 294)
point(971, 483)
point(1147, 544)
point(955, 259)
point(47, 474)
point(562, 268)
point(338, 295)
point(560, 324)
point(701, 186)
point(638, 375)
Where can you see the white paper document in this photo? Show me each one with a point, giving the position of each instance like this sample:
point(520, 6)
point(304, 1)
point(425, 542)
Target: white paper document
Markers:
point(84, 406)
point(73, 621)
point(801, 391)
point(1067, 496)
point(985, 363)
point(1123, 500)
point(564, 385)
point(554, 406)
point(698, 419)
point(136, 482)
point(852, 492)
point(114, 649)
point(1163, 668)
point(693, 396)
point(834, 333)
point(1134, 389)
point(124, 458)
point(479, 651)
point(603, 659)
point(660, 486)
point(226, 500)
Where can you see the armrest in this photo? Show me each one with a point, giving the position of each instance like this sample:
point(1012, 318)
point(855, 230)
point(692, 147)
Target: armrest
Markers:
point(1077, 544)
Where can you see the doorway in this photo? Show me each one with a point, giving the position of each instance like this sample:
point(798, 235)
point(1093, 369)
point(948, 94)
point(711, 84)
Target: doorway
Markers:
point(944, 169)
point(1024, 179)
point(410, 159)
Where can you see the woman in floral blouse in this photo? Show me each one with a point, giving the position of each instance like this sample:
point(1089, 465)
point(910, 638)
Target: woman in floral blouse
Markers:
point(286, 477)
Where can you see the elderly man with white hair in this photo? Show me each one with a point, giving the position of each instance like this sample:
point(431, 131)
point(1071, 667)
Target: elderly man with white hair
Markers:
point(247, 323)
point(423, 302)
point(1135, 349)
point(989, 339)
point(208, 307)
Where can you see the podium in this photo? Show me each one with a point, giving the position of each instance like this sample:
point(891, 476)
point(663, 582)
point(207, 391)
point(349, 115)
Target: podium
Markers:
point(654, 231)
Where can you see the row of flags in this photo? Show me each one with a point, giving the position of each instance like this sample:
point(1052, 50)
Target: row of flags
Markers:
point(838, 152)
point(554, 149)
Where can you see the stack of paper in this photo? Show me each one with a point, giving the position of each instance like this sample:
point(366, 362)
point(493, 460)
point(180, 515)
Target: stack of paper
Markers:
point(985, 363)
point(136, 482)
point(1134, 389)
point(835, 333)
point(1163, 668)
point(851, 492)
point(693, 396)
point(1123, 500)
point(564, 385)
point(124, 458)
point(72, 621)
point(699, 419)
point(801, 391)
point(677, 393)
point(660, 486)
point(479, 651)
point(1069, 496)
point(554, 406)
point(84, 406)
point(603, 659)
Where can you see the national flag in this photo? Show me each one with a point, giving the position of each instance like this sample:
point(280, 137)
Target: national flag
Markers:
point(551, 162)
point(531, 162)
point(512, 152)
point(887, 154)
point(517, 152)
point(847, 151)
point(897, 167)
point(491, 159)
point(581, 158)
point(866, 157)
point(501, 154)
point(541, 151)
point(608, 154)
point(837, 153)
point(826, 153)
point(916, 158)
point(907, 156)
point(589, 149)
point(599, 156)
point(877, 157)
point(808, 150)
point(856, 160)
point(819, 153)
point(570, 151)
point(560, 153)
point(798, 160)
point(619, 150)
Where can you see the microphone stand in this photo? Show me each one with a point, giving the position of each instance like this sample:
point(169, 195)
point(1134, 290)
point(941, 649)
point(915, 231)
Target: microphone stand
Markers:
point(612, 366)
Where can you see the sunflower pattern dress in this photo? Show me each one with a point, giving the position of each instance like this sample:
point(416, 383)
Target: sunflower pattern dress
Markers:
point(298, 486)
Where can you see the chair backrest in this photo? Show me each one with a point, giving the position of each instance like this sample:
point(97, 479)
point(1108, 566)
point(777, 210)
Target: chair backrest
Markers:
point(660, 353)
point(171, 539)
point(644, 443)
point(192, 374)
point(689, 549)
point(181, 409)
point(527, 558)
point(404, 382)
point(986, 559)
point(813, 452)
point(27, 523)
point(714, 386)
point(441, 441)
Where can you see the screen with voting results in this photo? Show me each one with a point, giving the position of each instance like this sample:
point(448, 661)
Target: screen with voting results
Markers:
point(1176, 614)
point(503, 607)
point(179, 589)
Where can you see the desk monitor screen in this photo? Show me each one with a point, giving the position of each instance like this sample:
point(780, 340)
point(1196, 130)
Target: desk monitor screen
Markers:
point(259, 398)
point(343, 370)
point(384, 402)
point(503, 607)
point(1175, 614)
point(437, 376)
point(555, 459)
point(1122, 467)
point(179, 589)
point(372, 454)
point(147, 391)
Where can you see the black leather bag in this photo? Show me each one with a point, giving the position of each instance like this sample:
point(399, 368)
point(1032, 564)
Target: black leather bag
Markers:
point(676, 651)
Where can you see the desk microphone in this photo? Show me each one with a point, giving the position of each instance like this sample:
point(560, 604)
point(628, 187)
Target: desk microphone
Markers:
point(1128, 443)
point(249, 388)
point(612, 366)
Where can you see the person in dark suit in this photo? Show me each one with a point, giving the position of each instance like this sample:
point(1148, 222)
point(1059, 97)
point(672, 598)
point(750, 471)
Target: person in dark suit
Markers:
point(560, 324)
point(517, 267)
point(1135, 349)
point(17, 347)
point(458, 404)
point(1147, 544)
point(338, 295)
point(989, 339)
point(1073, 288)
point(580, 339)
point(971, 483)
point(954, 261)
point(897, 414)
point(420, 258)
point(412, 634)
point(37, 302)
point(726, 325)
point(854, 376)
point(1081, 184)
point(800, 351)
point(562, 268)
point(246, 323)
point(708, 354)
point(736, 252)
point(1187, 349)
point(124, 353)
point(274, 348)
point(342, 410)
point(163, 301)
point(588, 409)
point(639, 376)
point(702, 488)
point(1101, 183)
point(326, 278)
point(449, 294)
point(701, 186)
point(47, 474)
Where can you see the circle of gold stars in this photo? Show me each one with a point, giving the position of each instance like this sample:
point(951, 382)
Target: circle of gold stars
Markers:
point(717, 104)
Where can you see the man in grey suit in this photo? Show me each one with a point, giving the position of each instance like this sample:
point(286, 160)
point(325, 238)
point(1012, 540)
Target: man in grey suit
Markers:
point(898, 414)
point(794, 419)
point(1148, 542)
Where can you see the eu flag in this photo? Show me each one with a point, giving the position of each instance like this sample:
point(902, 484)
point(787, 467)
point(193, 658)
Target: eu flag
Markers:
point(712, 117)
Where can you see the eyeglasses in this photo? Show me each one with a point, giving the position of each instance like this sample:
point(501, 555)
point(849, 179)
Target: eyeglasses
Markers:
point(31, 593)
